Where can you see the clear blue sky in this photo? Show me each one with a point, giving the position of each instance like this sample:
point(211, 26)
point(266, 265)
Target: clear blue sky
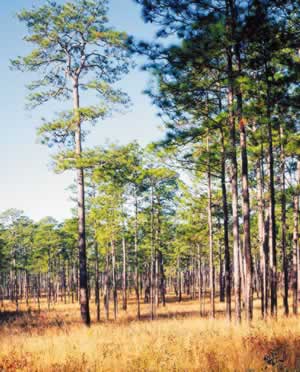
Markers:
point(27, 182)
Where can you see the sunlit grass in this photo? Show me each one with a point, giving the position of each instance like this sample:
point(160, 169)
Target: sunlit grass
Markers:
point(179, 340)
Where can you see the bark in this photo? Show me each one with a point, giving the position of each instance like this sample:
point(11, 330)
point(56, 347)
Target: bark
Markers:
point(272, 217)
point(283, 226)
point(97, 292)
point(246, 222)
point(137, 289)
point(225, 230)
point(114, 284)
point(83, 282)
point(262, 239)
point(124, 274)
point(230, 26)
point(210, 232)
point(107, 287)
point(152, 258)
point(295, 271)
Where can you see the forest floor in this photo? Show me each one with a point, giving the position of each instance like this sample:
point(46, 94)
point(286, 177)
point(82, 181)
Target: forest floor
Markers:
point(179, 340)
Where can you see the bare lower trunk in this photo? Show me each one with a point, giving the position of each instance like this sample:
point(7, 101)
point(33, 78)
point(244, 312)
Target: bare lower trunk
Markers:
point(262, 239)
point(114, 284)
point(83, 282)
point(137, 279)
point(124, 275)
point(283, 226)
point(246, 224)
point(225, 229)
point(210, 232)
point(97, 292)
point(272, 218)
point(295, 272)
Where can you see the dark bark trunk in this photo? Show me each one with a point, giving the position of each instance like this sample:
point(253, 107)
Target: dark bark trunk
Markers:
point(246, 221)
point(83, 280)
point(137, 289)
point(210, 232)
point(262, 237)
point(283, 226)
point(225, 230)
point(124, 274)
point(230, 26)
point(97, 292)
point(295, 271)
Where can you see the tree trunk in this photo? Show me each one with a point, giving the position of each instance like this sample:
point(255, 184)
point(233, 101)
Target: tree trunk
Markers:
point(262, 239)
point(246, 221)
point(124, 275)
point(272, 218)
point(295, 272)
point(114, 284)
point(210, 232)
point(97, 292)
point(230, 22)
point(283, 226)
point(83, 282)
point(137, 289)
point(225, 229)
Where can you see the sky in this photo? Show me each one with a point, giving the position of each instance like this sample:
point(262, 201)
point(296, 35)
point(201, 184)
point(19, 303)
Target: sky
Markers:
point(27, 181)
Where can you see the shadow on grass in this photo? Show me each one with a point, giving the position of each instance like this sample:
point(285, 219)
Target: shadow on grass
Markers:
point(9, 317)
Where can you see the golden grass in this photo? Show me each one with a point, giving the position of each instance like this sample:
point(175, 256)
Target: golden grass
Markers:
point(178, 341)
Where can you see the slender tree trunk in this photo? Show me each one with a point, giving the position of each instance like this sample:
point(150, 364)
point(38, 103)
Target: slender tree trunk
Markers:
point(221, 274)
point(162, 278)
point(97, 292)
point(272, 217)
point(152, 258)
point(225, 230)
point(83, 281)
point(107, 287)
point(113, 257)
point(295, 272)
point(295, 248)
point(298, 250)
point(137, 289)
point(124, 274)
point(283, 226)
point(262, 239)
point(210, 232)
point(246, 221)
point(179, 280)
point(230, 26)
point(235, 219)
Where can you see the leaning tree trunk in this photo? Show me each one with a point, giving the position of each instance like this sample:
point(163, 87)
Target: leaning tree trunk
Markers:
point(83, 281)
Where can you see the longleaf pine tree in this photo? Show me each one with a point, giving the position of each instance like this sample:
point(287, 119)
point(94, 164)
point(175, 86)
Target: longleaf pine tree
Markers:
point(74, 51)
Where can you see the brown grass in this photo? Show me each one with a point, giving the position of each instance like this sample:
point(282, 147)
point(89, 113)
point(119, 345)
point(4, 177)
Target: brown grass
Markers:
point(178, 341)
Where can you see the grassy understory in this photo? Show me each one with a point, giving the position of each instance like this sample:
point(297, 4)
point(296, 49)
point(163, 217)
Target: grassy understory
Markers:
point(179, 340)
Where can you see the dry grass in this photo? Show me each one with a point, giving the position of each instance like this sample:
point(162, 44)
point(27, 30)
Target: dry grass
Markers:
point(178, 341)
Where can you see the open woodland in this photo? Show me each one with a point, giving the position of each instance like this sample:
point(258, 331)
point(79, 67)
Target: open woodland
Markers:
point(181, 255)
